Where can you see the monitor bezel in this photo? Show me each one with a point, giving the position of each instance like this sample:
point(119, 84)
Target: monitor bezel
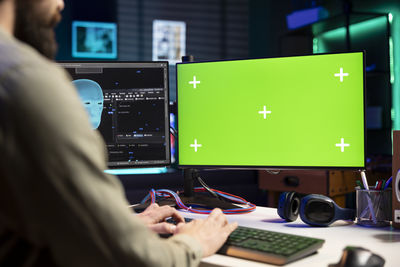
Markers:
point(274, 168)
point(167, 130)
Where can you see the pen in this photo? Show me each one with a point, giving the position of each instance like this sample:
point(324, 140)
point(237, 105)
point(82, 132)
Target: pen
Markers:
point(359, 184)
point(364, 180)
point(388, 182)
point(378, 185)
point(382, 187)
point(371, 209)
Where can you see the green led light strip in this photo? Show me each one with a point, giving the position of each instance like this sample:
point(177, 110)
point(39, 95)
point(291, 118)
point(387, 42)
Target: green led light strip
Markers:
point(354, 30)
point(394, 55)
point(391, 58)
point(315, 45)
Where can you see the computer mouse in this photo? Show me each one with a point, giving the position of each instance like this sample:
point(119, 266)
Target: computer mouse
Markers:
point(359, 257)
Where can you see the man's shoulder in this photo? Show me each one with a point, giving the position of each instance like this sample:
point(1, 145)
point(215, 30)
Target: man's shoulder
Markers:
point(17, 56)
point(27, 79)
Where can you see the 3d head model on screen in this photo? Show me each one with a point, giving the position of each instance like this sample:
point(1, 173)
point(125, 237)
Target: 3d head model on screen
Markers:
point(92, 98)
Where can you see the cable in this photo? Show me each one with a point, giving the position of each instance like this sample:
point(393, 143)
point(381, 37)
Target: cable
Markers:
point(165, 193)
point(207, 188)
point(173, 131)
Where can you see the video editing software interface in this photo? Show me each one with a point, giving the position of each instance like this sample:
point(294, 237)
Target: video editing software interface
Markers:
point(289, 112)
point(128, 103)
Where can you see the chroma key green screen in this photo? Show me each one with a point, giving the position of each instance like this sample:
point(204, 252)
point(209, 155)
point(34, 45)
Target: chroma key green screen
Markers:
point(304, 111)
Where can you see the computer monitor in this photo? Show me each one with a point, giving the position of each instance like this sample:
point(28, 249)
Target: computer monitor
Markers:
point(275, 113)
point(128, 104)
point(94, 39)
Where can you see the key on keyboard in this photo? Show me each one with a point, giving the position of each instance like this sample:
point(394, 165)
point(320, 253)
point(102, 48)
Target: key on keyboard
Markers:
point(267, 246)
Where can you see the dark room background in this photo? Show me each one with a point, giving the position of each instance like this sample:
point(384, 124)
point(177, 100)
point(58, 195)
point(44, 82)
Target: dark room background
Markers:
point(235, 29)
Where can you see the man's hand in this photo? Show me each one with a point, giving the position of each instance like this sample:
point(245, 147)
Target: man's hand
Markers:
point(154, 217)
point(211, 232)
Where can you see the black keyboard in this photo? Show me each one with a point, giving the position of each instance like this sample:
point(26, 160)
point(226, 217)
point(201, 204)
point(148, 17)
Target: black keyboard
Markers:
point(268, 246)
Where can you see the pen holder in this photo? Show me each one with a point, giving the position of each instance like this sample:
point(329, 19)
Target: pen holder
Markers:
point(374, 207)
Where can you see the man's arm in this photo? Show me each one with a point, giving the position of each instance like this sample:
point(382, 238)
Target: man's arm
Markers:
point(69, 204)
point(211, 232)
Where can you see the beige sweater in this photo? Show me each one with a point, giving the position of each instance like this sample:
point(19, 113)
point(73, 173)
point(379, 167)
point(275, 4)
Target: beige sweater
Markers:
point(57, 206)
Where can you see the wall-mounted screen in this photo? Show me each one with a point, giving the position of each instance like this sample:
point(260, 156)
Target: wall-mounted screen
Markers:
point(94, 40)
point(169, 40)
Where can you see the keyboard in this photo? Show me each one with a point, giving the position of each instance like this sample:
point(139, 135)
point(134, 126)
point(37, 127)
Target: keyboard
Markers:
point(268, 246)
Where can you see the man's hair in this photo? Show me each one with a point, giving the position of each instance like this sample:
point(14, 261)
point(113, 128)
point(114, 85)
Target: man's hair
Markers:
point(35, 29)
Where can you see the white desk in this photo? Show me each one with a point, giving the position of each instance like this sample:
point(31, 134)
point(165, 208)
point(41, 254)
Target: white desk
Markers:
point(382, 241)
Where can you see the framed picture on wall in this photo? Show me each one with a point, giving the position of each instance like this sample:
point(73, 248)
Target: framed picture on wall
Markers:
point(169, 40)
point(94, 39)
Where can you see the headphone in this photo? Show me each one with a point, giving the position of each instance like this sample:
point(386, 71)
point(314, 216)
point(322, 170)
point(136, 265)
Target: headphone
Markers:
point(315, 210)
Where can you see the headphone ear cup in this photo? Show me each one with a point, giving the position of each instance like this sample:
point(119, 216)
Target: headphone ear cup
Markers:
point(288, 206)
point(281, 205)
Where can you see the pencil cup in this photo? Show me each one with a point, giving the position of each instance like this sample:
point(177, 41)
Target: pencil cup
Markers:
point(374, 207)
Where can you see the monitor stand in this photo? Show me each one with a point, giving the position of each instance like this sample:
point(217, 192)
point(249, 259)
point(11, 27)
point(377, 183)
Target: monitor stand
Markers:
point(206, 200)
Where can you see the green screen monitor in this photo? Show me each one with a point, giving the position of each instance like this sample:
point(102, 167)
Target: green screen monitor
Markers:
point(276, 113)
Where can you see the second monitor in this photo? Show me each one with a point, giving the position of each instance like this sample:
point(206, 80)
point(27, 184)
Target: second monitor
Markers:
point(128, 104)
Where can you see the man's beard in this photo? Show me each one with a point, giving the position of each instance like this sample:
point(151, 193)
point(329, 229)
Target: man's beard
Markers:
point(32, 28)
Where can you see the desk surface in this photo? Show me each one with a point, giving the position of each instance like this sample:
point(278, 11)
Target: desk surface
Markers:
point(382, 241)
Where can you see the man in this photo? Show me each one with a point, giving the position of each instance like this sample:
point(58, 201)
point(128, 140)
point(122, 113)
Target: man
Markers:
point(57, 206)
